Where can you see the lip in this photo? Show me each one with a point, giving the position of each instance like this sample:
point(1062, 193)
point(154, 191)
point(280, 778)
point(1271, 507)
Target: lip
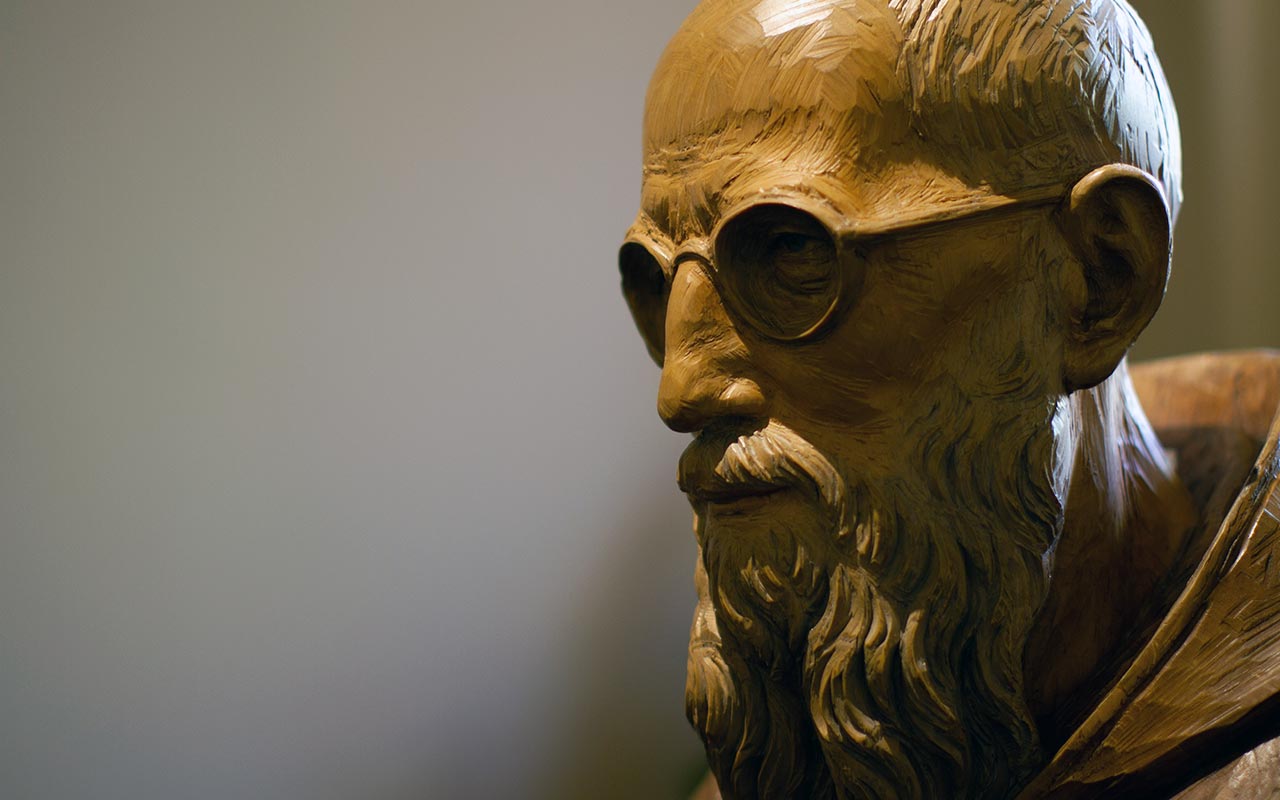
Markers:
point(736, 497)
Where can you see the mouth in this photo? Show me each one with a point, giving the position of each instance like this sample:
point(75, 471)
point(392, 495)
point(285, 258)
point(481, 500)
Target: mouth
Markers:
point(735, 498)
point(716, 477)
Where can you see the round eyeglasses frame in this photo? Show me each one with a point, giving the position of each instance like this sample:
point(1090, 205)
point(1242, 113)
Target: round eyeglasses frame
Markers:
point(645, 246)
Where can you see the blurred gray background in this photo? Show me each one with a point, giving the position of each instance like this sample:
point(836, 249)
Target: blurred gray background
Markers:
point(328, 460)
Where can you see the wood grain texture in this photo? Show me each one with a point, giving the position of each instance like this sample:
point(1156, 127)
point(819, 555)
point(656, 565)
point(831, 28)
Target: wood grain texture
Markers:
point(1216, 656)
point(891, 255)
point(1253, 776)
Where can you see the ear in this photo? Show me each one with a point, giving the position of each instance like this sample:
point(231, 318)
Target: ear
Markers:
point(1118, 228)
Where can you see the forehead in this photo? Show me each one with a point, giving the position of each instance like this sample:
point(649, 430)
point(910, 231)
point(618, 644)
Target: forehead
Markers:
point(687, 188)
point(866, 174)
point(733, 58)
point(764, 96)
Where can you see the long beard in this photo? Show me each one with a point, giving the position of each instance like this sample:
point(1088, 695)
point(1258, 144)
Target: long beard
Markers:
point(876, 651)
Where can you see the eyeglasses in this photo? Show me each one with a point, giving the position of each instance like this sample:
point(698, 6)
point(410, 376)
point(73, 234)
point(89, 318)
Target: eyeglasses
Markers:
point(778, 268)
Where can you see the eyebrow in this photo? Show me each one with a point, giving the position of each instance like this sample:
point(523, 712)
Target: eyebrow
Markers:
point(680, 209)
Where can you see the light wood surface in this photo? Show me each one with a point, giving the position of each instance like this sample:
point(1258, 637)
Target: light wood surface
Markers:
point(890, 257)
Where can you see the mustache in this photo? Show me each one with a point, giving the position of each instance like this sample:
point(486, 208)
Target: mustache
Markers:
point(722, 463)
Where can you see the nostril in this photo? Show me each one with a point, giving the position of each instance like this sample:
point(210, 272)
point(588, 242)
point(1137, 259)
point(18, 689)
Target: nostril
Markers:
point(744, 398)
point(710, 401)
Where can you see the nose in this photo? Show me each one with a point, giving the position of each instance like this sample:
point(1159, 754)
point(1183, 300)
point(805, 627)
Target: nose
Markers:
point(705, 366)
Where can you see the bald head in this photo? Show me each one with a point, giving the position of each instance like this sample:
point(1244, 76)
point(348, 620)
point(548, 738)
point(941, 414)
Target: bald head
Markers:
point(735, 60)
point(933, 103)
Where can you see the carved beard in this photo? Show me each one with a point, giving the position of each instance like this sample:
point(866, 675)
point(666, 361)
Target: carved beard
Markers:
point(875, 648)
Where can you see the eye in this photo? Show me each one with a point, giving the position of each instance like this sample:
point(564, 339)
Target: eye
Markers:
point(802, 263)
point(645, 287)
point(780, 269)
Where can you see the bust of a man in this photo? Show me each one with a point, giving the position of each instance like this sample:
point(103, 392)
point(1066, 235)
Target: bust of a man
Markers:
point(890, 256)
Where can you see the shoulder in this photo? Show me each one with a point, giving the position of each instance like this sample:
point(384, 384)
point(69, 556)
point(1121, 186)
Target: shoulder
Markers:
point(1253, 776)
point(1204, 693)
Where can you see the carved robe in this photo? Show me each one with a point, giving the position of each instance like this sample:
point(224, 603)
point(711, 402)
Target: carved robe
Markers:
point(1202, 697)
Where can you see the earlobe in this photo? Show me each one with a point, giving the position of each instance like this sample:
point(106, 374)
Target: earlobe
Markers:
point(1118, 227)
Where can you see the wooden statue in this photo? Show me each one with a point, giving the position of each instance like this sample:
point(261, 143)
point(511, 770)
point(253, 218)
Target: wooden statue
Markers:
point(890, 256)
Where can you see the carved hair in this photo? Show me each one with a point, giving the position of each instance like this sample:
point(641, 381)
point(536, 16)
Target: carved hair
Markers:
point(1011, 95)
point(1032, 86)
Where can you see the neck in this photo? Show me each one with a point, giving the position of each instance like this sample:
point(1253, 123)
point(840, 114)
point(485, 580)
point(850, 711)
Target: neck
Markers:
point(1127, 520)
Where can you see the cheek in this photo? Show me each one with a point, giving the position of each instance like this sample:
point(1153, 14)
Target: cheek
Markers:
point(919, 316)
point(923, 301)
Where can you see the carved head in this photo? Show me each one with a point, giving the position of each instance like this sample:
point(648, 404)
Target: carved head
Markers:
point(889, 255)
